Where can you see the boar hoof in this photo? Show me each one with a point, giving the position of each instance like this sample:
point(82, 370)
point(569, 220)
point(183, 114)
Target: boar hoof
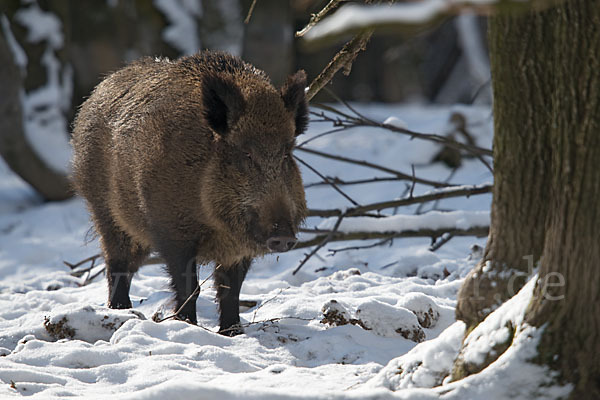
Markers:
point(120, 305)
point(186, 319)
point(232, 330)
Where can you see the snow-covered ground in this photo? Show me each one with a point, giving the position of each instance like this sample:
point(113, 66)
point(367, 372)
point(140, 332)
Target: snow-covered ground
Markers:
point(361, 324)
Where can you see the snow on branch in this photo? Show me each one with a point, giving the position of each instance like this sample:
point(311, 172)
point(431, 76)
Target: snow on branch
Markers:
point(431, 221)
point(434, 224)
point(318, 16)
point(478, 231)
point(407, 17)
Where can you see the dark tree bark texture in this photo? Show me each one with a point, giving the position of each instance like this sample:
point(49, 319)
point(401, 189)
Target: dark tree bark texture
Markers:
point(571, 341)
point(546, 77)
point(521, 69)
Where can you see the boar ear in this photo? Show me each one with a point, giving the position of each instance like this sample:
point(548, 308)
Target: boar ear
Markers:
point(223, 102)
point(294, 99)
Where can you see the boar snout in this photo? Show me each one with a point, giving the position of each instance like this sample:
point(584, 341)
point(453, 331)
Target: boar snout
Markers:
point(281, 244)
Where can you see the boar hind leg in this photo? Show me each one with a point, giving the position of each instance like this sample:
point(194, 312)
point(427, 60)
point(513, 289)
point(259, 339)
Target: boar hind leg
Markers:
point(228, 280)
point(123, 258)
point(180, 257)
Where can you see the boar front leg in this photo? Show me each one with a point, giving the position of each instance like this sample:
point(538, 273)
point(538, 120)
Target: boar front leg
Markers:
point(180, 257)
point(228, 280)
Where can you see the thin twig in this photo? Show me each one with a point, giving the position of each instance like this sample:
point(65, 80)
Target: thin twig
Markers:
point(314, 18)
point(265, 321)
point(265, 302)
point(343, 59)
point(73, 266)
point(475, 150)
point(443, 240)
point(250, 11)
point(194, 293)
point(341, 182)
point(314, 231)
point(368, 246)
point(322, 242)
point(80, 272)
point(333, 185)
point(345, 103)
point(367, 164)
point(402, 196)
point(326, 118)
point(320, 135)
point(89, 271)
point(360, 120)
point(435, 195)
point(89, 278)
point(414, 181)
point(435, 204)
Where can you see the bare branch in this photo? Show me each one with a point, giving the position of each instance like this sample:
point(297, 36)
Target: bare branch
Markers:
point(341, 182)
point(368, 246)
point(90, 277)
point(194, 293)
point(442, 241)
point(85, 260)
point(414, 182)
point(450, 176)
point(267, 301)
point(399, 18)
point(343, 59)
point(320, 135)
point(367, 164)
point(250, 11)
point(264, 322)
point(333, 185)
point(360, 120)
point(437, 195)
point(334, 110)
point(318, 16)
point(478, 231)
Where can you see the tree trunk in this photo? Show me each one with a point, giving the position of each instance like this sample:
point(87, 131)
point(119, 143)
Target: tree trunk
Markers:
point(14, 147)
point(222, 27)
point(521, 66)
point(268, 39)
point(546, 74)
point(567, 294)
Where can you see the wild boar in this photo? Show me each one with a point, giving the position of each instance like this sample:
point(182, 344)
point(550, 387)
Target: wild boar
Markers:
point(191, 159)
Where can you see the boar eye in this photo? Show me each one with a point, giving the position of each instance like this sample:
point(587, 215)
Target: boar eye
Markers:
point(249, 156)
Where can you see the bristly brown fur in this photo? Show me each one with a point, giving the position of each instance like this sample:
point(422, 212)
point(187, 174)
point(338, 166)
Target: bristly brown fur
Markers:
point(190, 158)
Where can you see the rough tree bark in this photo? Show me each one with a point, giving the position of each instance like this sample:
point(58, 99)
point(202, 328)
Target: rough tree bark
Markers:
point(521, 69)
point(571, 339)
point(545, 69)
point(14, 147)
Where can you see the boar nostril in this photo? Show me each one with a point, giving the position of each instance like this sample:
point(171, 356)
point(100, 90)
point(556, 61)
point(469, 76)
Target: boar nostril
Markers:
point(281, 243)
